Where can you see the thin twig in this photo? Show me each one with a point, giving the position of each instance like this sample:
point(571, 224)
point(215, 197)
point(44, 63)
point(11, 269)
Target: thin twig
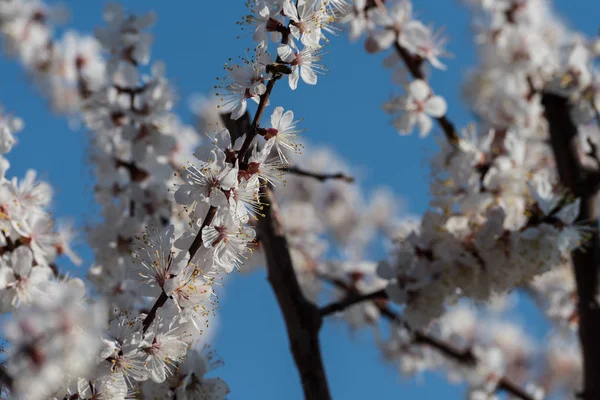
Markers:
point(414, 65)
point(196, 244)
point(318, 176)
point(464, 356)
point(264, 99)
point(350, 300)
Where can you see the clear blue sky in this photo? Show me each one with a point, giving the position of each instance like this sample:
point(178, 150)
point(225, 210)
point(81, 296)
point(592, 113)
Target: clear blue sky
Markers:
point(195, 38)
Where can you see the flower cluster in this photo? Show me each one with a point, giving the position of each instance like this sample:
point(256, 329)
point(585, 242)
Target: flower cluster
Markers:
point(299, 28)
point(29, 238)
point(393, 27)
point(170, 229)
point(54, 339)
point(67, 69)
point(491, 227)
point(138, 144)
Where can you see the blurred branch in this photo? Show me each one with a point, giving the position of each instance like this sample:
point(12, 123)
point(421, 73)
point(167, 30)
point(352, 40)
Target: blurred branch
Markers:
point(414, 64)
point(583, 183)
point(463, 356)
point(318, 176)
point(351, 299)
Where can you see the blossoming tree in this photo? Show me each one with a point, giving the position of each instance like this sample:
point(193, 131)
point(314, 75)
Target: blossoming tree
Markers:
point(513, 206)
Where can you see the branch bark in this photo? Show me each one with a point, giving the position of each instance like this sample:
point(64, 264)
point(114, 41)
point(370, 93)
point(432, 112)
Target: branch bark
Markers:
point(320, 177)
point(463, 356)
point(302, 318)
point(583, 183)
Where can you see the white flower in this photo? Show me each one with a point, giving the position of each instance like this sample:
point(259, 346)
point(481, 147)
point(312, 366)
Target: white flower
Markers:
point(8, 127)
point(22, 282)
point(195, 385)
point(206, 184)
point(245, 82)
point(306, 20)
point(54, 339)
point(283, 130)
point(191, 294)
point(303, 64)
point(162, 350)
point(417, 107)
point(156, 256)
point(227, 240)
point(264, 165)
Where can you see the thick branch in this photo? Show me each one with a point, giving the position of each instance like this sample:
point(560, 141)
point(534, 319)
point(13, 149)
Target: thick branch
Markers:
point(302, 318)
point(318, 176)
point(586, 258)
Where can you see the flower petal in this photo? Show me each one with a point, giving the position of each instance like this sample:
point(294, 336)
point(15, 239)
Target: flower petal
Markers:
point(436, 106)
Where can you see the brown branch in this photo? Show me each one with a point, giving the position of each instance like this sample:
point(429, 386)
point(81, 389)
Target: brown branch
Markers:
point(414, 65)
point(464, 356)
point(302, 318)
point(350, 300)
point(583, 183)
point(264, 99)
point(318, 176)
point(196, 244)
point(160, 301)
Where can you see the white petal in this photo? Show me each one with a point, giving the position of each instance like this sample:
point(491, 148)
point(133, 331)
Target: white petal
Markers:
point(21, 259)
point(436, 106)
point(239, 110)
point(286, 53)
point(425, 124)
point(419, 89)
point(384, 39)
point(276, 117)
point(568, 214)
point(405, 123)
point(286, 120)
point(294, 78)
point(308, 75)
point(290, 10)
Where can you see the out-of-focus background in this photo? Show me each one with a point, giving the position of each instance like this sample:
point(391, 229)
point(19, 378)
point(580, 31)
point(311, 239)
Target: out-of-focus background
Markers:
point(344, 111)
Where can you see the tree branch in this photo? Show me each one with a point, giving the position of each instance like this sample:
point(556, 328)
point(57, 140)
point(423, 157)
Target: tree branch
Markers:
point(463, 356)
point(414, 65)
point(586, 259)
point(318, 176)
point(264, 99)
point(196, 244)
point(350, 300)
point(302, 318)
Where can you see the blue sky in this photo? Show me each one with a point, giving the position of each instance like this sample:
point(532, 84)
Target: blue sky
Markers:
point(195, 39)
